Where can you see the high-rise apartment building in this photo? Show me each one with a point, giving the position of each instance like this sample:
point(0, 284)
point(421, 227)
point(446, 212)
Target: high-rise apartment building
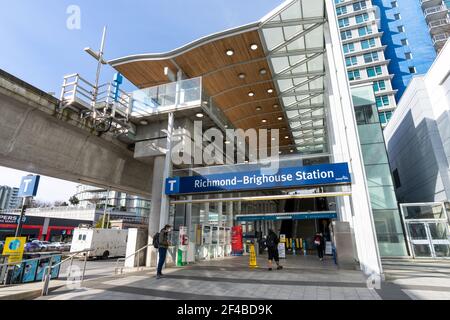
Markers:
point(436, 13)
point(364, 52)
point(406, 33)
point(9, 198)
point(119, 201)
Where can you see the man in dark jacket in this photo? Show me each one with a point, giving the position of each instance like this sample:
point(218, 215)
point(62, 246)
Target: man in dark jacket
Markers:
point(164, 244)
point(272, 248)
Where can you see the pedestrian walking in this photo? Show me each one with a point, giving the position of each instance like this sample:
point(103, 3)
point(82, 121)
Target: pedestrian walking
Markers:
point(319, 242)
point(272, 248)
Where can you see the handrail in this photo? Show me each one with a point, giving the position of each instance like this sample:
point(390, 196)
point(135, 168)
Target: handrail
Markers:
point(48, 269)
point(131, 255)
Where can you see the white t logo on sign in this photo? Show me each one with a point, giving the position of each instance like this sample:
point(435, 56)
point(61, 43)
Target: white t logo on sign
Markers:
point(172, 182)
point(26, 182)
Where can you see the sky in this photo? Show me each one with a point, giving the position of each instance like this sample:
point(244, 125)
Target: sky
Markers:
point(38, 47)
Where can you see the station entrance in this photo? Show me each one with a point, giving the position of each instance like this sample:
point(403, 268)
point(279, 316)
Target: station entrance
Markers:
point(296, 216)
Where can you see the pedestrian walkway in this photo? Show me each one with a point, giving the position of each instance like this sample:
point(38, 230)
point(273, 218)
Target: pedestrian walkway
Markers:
point(303, 278)
point(420, 279)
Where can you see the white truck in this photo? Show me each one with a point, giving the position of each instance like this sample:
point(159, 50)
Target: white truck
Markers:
point(103, 242)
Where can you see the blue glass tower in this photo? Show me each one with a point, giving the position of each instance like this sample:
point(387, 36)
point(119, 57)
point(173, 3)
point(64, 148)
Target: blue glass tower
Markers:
point(407, 37)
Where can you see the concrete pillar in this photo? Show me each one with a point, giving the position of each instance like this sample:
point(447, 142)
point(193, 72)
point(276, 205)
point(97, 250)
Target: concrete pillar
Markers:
point(155, 212)
point(229, 209)
point(345, 147)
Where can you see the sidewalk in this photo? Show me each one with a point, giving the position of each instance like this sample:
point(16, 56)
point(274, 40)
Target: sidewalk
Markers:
point(303, 278)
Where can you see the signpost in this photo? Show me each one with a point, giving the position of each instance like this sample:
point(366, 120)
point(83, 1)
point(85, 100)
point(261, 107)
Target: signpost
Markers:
point(28, 189)
point(14, 248)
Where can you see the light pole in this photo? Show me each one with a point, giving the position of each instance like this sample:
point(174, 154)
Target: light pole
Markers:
point(99, 57)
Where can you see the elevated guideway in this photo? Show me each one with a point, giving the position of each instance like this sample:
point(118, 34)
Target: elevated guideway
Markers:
point(36, 137)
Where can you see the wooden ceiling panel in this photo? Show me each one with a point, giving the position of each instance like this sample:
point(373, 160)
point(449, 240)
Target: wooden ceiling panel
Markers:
point(212, 55)
point(221, 79)
point(146, 73)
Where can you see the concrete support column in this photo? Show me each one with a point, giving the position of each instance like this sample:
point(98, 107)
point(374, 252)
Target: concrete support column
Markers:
point(155, 212)
point(230, 222)
point(346, 147)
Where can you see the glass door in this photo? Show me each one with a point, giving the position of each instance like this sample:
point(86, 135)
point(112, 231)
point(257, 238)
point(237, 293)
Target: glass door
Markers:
point(429, 239)
point(439, 238)
point(418, 237)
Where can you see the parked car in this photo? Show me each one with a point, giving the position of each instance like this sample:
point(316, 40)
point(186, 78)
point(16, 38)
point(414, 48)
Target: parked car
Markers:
point(49, 246)
point(32, 247)
point(44, 245)
point(61, 246)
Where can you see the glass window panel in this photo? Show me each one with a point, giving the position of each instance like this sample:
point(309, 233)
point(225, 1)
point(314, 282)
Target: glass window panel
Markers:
point(273, 37)
point(374, 153)
point(422, 250)
point(378, 175)
point(438, 231)
point(442, 250)
point(429, 211)
point(391, 240)
point(370, 133)
point(382, 197)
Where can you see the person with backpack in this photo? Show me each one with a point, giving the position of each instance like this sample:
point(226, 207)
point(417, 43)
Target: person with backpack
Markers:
point(272, 248)
point(319, 242)
point(162, 243)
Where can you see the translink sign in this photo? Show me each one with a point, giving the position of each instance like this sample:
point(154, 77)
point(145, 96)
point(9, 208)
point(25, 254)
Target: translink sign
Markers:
point(324, 174)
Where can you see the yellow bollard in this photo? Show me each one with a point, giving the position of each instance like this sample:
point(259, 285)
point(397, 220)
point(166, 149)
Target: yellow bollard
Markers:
point(252, 262)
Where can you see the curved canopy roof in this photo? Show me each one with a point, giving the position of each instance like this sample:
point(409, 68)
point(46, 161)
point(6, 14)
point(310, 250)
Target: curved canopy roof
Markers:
point(280, 60)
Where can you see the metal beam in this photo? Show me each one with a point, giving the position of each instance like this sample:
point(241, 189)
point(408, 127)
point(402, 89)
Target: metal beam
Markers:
point(265, 198)
point(302, 93)
point(301, 84)
point(297, 106)
point(298, 75)
point(293, 22)
point(296, 52)
point(295, 37)
point(296, 65)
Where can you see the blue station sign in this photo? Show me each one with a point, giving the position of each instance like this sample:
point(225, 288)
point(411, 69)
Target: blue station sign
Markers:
point(29, 186)
point(324, 174)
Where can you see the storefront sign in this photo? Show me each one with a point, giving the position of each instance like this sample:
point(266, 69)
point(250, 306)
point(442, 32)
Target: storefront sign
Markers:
point(10, 219)
point(14, 248)
point(324, 174)
point(289, 216)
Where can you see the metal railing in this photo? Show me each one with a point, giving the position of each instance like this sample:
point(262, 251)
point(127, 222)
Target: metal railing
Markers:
point(442, 37)
point(130, 256)
point(169, 96)
point(48, 269)
point(108, 105)
point(14, 264)
point(438, 23)
point(434, 9)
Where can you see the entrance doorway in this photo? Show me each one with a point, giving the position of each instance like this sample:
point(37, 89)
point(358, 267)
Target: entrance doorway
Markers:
point(429, 239)
point(427, 229)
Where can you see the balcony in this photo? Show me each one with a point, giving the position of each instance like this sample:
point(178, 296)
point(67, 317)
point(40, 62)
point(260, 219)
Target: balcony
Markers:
point(430, 3)
point(439, 26)
point(436, 12)
point(168, 97)
point(440, 39)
